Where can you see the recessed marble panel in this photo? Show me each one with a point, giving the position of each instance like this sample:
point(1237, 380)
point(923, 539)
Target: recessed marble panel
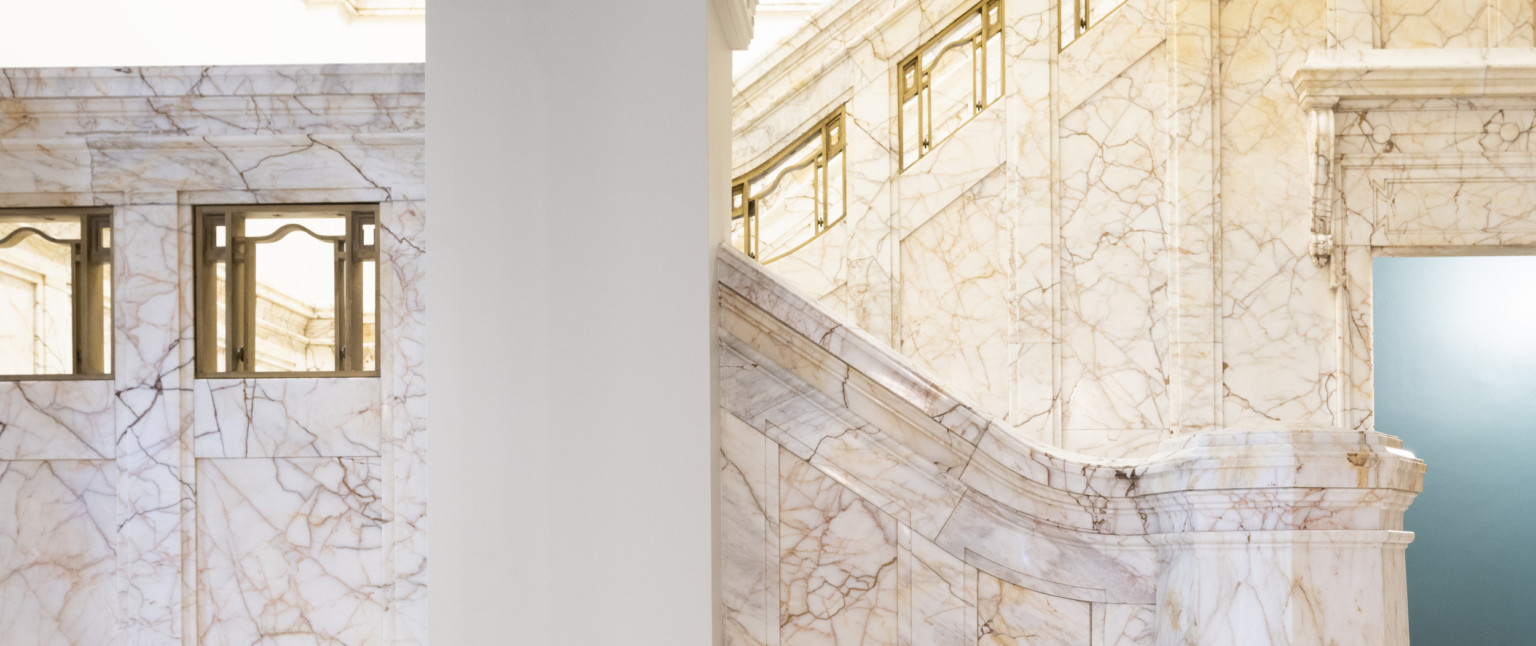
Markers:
point(58, 535)
point(1434, 23)
point(290, 551)
point(748, 558)
point(954, 314)
point(235, 418)
point(56, 420)
point(1114, 238)
point(838, 555)
point(1014, 616)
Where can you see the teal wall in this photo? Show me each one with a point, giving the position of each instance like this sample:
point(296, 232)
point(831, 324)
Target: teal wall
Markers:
point(1456, 379)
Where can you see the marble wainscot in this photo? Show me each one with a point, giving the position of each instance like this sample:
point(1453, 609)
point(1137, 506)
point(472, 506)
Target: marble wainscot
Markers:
point(157, 508)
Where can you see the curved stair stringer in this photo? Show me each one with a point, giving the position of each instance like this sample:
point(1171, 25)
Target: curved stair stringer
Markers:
point(1280, 510)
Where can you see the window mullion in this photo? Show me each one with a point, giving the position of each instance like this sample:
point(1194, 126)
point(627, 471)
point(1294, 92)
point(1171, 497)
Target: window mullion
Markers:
point(240, 297)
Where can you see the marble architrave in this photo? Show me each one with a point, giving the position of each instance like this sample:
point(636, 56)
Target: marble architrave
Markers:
point(158, 508)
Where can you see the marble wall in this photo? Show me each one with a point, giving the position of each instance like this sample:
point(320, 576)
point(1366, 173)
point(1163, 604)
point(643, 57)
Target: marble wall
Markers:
point(155, 507)
point(1118, 251)
point(1151, 259)
point(862, 503)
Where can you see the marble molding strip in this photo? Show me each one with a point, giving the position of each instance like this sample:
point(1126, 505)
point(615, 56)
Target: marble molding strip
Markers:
point(1330, 76)
point(1288, 506)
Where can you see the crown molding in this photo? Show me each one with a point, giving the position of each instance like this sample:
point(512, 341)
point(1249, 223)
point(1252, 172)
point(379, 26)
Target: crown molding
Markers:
point(736, 21)
point(1331, 76)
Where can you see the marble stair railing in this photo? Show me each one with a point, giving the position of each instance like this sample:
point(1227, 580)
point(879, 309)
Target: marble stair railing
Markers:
point(1265, 535)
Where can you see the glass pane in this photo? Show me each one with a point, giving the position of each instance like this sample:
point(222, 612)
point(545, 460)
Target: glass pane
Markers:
point(36, 316)
point(64, 227)
point(994, 68)
point(104, 273)
point(951, 83)
point(370, 316)
point(835, 190)
point(911, 131)
point(295, 297)
point(1067, 21)
point(960, 34)
point(787, 213)
point(221, 320)
point(257, 226)
point(739, 234)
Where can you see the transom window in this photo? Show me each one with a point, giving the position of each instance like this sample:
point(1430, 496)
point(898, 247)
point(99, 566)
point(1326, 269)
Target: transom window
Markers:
point(950, 79)
point(794, 197)
point(55, 292)
point(1078, 16)
point(286, 290)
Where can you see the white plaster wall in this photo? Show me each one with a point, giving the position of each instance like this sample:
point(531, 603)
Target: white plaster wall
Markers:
point(576, 193)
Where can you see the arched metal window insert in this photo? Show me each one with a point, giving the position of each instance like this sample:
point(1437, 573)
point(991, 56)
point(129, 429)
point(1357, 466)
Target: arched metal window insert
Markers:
point(240, 315)
point(80, 273)
point(793, 198)
point(950, 79)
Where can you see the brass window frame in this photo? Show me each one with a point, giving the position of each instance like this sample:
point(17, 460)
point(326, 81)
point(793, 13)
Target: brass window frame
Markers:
point(91, 343)
point(913, 82)
point(832, 132)
point(1081, 12)
point(240, 312)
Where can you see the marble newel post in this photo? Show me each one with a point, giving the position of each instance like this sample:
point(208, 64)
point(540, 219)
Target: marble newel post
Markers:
point(1281, 537)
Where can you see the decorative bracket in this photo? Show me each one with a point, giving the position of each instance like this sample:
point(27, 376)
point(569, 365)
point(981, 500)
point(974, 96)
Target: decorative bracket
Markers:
point(1323, 179)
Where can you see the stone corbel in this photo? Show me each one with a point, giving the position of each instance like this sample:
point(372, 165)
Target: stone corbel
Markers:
point(1324, 176)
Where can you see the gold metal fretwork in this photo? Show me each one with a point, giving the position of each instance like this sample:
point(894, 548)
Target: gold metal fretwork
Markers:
point(223, 249)
point(90, 275)
point(978, 34)
point(756, 195)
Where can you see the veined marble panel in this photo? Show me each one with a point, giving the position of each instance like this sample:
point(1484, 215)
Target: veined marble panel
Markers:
point(749, 571)
point(1435, 23)
point(290, 549)
point(1277, 309)
point(56, 420)
point(252, 418)
point(1015, 616)
point(838, 554)
point(954, 295)
point(58, 538)
point(1114, 254)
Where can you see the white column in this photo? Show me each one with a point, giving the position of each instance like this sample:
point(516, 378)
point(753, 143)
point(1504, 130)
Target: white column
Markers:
point(574, 166)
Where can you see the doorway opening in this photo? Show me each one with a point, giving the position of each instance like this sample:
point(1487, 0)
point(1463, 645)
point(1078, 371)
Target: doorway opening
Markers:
point(1455, 375)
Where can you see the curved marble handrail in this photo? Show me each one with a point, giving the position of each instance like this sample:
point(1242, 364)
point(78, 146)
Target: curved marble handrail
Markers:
point(1048, 519)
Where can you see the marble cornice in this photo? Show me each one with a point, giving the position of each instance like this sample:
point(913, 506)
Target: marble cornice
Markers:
point(211, 80)
point(61, 103)
point(1334, 76)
